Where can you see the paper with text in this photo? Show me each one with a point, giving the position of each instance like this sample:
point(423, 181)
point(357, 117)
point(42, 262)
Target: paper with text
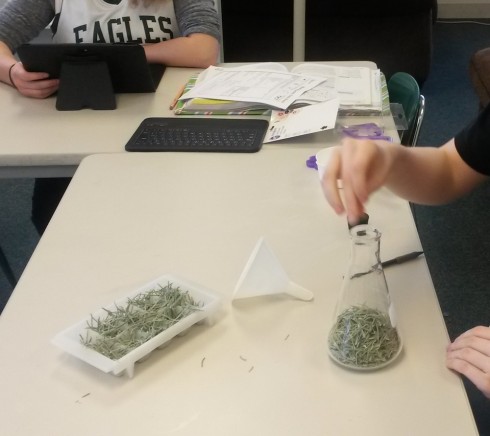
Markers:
point(303, 120)
point(274, 88)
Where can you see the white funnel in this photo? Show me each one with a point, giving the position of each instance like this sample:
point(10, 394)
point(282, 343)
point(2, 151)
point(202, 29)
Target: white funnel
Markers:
point(264, 275)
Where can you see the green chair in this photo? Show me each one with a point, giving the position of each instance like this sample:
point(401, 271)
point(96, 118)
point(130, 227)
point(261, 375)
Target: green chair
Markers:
point(404, 90)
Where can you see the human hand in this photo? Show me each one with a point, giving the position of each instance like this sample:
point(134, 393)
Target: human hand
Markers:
point(469, 355)
point(30, 84)
point(363, 166)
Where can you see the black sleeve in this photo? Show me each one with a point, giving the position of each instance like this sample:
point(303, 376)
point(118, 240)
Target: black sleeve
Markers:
point(473, 143)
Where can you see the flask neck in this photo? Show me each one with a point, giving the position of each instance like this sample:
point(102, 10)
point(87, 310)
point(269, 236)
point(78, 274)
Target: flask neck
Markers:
point(365, 251)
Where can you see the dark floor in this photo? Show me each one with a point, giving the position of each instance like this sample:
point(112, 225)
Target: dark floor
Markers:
point(454, 236)
point(18, 237)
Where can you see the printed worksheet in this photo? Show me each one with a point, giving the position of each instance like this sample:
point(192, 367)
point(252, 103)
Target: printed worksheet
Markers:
point(303, 120)
point(277, 89)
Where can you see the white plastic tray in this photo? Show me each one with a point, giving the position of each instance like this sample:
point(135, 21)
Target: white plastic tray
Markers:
point(69, 339)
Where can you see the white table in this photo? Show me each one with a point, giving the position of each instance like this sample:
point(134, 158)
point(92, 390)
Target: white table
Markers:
point(128, 218)
point(39, 141)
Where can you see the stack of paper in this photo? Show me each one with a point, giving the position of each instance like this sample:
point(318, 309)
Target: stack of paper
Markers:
point(258, 88)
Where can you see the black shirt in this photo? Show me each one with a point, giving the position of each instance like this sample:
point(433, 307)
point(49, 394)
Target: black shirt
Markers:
point(473, 143)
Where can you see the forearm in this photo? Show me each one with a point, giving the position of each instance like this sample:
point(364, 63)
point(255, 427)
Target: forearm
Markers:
point(7, 59)
point(29, 84)
point(429, 175)
point(20, 21)
point(196, 50)
point(425, 175)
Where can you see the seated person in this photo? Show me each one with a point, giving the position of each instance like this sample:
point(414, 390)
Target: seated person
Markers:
point(174, 32)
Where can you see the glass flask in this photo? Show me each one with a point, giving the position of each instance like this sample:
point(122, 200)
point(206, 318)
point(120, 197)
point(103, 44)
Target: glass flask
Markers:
point(364, 333)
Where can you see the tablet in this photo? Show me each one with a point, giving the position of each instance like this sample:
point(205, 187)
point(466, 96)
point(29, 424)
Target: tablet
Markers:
point(128, 68)
point(90, 74)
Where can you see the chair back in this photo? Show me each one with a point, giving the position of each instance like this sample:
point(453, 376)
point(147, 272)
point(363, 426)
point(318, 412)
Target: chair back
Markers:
point(418, 121)
point(404, 89)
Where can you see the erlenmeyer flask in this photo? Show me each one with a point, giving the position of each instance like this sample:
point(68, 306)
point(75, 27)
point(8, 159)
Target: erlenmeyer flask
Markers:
point(364, 333)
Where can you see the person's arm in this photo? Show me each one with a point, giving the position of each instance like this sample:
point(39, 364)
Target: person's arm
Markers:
point(20, 21)
point(7, 59)
point(196, 50)
point(12, 72)
point(425, 175)
point(199, 43)
point(469, 355)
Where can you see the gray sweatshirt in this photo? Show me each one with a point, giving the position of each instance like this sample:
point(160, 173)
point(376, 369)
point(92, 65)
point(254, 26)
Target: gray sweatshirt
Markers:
point(22, 20)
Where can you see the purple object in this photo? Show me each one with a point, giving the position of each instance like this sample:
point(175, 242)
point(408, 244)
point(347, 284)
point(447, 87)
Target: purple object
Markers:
point(311, 162)
point(365, 131)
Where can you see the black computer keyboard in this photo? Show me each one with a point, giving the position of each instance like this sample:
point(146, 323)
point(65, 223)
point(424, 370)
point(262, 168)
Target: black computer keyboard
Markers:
point(199, 134)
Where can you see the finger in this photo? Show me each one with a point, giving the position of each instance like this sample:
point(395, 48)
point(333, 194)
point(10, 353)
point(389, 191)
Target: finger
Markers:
point(353, 178)
point(329, 181)
point(33, 84)
point(27, 76)
point(479, 331)
point(353, 206)
point(39, 89)
point(39, 85)
point(20, 75)
point(354, 166)
point(476, 375)
point(464, 342)
point(472, 354)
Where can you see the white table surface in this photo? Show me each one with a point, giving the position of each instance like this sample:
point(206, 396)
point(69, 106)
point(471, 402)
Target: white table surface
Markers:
point(39, 141)
point(128, 218)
